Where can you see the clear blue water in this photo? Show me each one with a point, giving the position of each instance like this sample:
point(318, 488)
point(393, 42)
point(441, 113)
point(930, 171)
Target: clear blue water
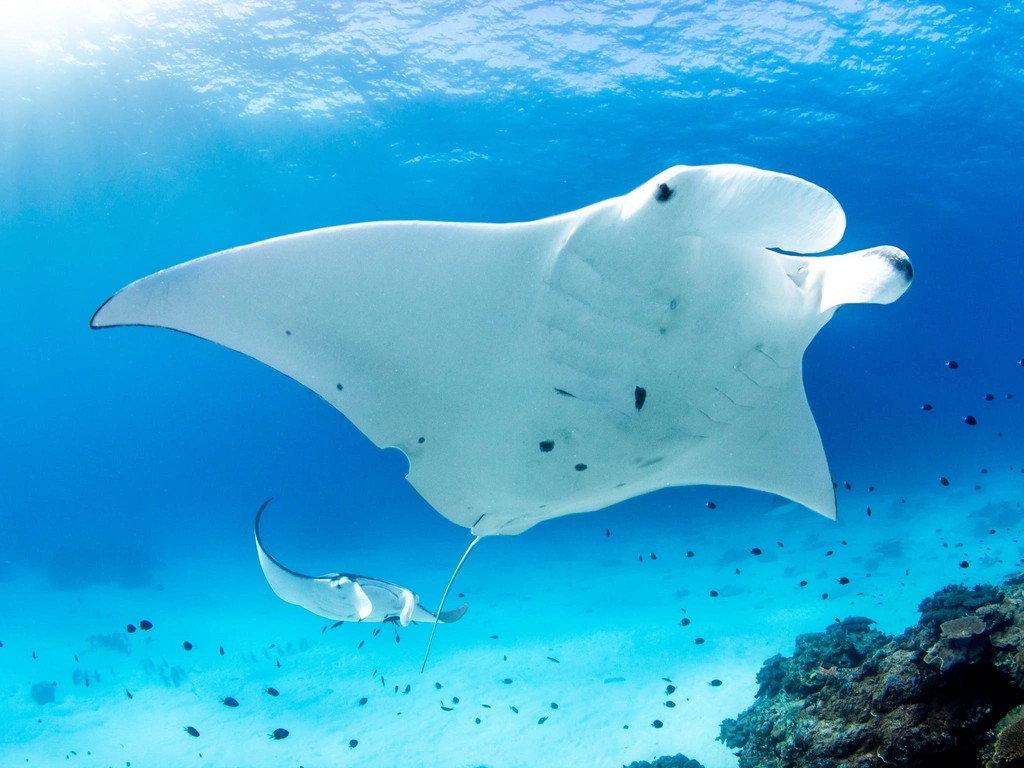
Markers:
point(134, 140)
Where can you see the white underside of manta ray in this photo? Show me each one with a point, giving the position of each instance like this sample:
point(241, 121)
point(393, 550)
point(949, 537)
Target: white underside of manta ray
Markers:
point(539, 369)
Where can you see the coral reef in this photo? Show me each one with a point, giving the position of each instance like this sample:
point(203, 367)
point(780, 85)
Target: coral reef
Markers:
point(675, 761)
point(947, 692)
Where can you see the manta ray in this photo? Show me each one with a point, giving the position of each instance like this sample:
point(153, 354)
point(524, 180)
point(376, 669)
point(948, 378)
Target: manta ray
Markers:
point(538, 369)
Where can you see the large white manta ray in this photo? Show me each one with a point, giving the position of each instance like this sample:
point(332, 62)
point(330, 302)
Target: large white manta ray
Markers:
point(537, 369)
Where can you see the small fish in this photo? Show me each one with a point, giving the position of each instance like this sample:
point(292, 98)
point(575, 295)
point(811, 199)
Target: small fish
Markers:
point(843, 580)
point(685, 622)
point(486, 706)
point(361, 644)
point(848, 486)
point(33, 655)
point(653, 556)
point(824, 595)
point(607, 532)
point(670, 704)
point(408, 688)
point(803, 583)
point(554, 705)
point(990, 397)
point(689, 553)
point(382, 682)
point(278, 663)
point(353, 743)
point(455, 699)
point(397, 638)
point(669, 690)
point(129, 693)
point(829, 553)
point(192, 732)
point(130, 628)
point(86, 681)
point(737, 571)
point(871, 489)
point(324, 629)
point(494, 637)
point(699, 641)
point(552, 658)
point(712, 505)
point(273, 692)
point(362, 701)
point(953, 365)
point(187, 645)
point(447, 709)
point(944, 481)
point(437, 686)
point(641, 558)
point(927, 407)
point(221, 648)
point(145, 625)
point(376, 632)
point(542, 720)
point(507, 681)
point(756, 551)
point(964, 564)
point(229, 701)
point(76, 657)
point(713, 593)
point(780, 543)
point(279, 733)
point(514, 709)
point(715, 683)
point(396, 689)
point(338, 624)
point(970, 421)
point(477, 721)
point(869, 511)
point(657, 724)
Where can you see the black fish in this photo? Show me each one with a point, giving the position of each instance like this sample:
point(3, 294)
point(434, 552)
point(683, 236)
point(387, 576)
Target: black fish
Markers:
point(279, 733)
point(712, 505)
point(324, 629)
point(192, 732)
point(129, 693)
point(542, 720)
point(990, 397)
point(477, 721)
point(362, 701)
point(408, 688)
point(145, 625)
point(552, 658)
point(507, 681)
point(953, 364)
point(964, 564)
point(221, 647)
point(554, 705)
point(803, 583)
point(641, 558)
point(685, 622)
point(780, 543)
point(669, 690)
point(657, 724)
point(376, 631)
point(689, 553)
point(970, 421)
point(670, 704)
point(130, 628)
point(336, 624)
point(361, 643)
point(447, 709)
point(653, 556)
point(713, 593)
point(755, 551)
point(829, 553)
point(437, 686)
point(926, 407)
point(824, 595)
point(494, 637)
point(455, 699)
point(273, 692)
point(607, 532)
point(699, 641)
point(514, 709)
point(843, 580)
point(944, 481)
point(848, 486)
point(229, 701)
point(187, 645)
point(352, 743)
point(715, 683)
point(869, 511)
point(278, 663)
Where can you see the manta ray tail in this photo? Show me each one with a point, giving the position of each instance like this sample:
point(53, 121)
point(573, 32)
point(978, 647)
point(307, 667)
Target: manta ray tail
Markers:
point(444, 597)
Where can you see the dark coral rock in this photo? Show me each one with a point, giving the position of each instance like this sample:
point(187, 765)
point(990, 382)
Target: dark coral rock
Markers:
point(947, 692)
point(676, 761)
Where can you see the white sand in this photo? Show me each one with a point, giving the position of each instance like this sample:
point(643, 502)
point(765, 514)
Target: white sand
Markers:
point(563, 590)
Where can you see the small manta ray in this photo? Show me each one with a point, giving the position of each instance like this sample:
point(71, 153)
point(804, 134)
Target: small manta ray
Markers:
point(538, 369)
point(346, 596)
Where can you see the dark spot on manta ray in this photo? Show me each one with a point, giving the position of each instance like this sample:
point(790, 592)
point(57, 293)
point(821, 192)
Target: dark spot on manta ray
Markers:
point(145, 625)
point(187, 645)
point(192, 731)
point(580, 467)
point(340, 387)
point(970, 421)
point(130, 628)
point(229, 701)
point(546, 446)
point(639, 397)
point(663, 192)
point(273, 692)
point(279, 733)
point(563, 392)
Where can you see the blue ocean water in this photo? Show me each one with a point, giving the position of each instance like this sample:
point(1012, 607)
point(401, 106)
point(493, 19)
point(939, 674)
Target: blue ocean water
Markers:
point(135, 136)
